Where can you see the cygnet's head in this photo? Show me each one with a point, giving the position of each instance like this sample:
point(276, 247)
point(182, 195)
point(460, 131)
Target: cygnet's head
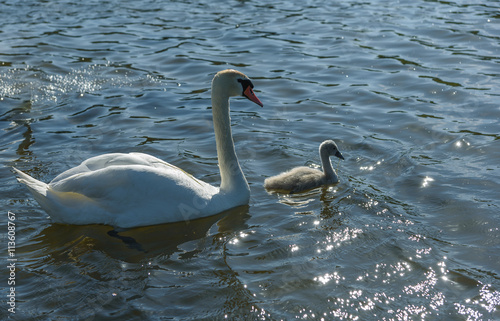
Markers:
point(328, 147)
point(235, 83)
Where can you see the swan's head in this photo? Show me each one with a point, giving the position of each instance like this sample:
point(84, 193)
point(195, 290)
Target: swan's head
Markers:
point(235, 83)
point(329, 148)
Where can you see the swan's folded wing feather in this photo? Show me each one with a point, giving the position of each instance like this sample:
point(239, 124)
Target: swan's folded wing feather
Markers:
point(102, 162)
point(131, 182)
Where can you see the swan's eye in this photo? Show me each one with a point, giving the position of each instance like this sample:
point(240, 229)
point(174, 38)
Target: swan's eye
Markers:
point(245, 83)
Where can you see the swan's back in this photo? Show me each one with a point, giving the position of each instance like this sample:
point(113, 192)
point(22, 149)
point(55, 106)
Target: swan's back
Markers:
point(296, 180)
point(124, 190)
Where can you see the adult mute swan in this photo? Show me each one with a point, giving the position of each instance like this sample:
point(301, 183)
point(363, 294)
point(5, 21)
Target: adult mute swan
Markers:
point(304, 178)
point(129, 190)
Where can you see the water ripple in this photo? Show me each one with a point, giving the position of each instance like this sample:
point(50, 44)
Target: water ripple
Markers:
point(408, 90)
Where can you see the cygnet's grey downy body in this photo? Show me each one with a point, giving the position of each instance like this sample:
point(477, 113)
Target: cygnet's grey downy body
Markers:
point(304, 178)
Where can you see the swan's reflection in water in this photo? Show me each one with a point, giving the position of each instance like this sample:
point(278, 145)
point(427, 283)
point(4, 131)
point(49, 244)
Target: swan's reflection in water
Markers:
point(122, 269)
point(136, 244)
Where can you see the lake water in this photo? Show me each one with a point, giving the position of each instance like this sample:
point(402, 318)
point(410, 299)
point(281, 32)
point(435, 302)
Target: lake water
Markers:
point(409, 90)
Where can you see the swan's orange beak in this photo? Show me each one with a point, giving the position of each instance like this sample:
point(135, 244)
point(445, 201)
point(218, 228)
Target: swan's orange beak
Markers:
point(251, 95)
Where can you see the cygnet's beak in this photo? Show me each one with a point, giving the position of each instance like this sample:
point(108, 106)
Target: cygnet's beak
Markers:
point(339, 155)
point(251, 95)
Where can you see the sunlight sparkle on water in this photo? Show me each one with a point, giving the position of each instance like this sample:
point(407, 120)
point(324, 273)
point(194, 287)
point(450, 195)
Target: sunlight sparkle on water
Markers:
point(461, 143)
point(426, 181)
point(371, 167)
point(327, 277)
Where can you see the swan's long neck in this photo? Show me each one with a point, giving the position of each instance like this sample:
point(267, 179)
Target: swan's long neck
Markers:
point(330, 173)
point(232, 178)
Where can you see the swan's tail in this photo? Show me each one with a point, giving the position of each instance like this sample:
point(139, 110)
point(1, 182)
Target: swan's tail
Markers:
point(60, 205)
point(37, 188)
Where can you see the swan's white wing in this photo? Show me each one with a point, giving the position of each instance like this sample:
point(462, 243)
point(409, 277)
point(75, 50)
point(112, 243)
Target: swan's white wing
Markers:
point(122, 186)
point(114, 159)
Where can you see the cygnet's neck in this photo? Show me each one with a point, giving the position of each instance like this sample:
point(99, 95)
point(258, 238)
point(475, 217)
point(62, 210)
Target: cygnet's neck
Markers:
point(232, 178)
point(330, 173)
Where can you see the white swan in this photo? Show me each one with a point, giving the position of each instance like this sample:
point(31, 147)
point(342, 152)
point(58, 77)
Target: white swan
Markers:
point(304, 178)
point(129, 190)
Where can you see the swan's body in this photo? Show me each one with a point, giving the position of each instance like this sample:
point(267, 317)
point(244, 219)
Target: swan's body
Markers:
point(304, 178)
point(129, 190)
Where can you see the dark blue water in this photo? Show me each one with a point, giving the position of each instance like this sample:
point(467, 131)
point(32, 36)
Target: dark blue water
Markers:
point(409, 90)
